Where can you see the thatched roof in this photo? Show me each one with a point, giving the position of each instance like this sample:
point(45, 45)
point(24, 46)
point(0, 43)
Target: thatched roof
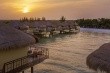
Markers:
point(24, 27)
point(36, 24)
point(13, 38)
point(100, 59)
point(47, 23)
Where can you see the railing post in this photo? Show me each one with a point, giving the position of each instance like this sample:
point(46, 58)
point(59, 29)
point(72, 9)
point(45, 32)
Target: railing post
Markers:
point(21, 61)
point(3, 69)
point(13, 64)
point(48, 52)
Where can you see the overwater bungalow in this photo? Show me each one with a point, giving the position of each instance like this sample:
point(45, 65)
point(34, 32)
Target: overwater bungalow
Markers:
point(46, 28)
point(99, 60)
point(14, 49)
point(68, 26)
point(24, 28)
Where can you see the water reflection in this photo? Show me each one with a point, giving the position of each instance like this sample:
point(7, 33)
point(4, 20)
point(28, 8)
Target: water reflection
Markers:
point(68, 52)
point(54, 38)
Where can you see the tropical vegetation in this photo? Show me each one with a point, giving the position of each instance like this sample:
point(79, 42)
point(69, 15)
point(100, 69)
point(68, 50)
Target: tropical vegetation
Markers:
point(102, 23)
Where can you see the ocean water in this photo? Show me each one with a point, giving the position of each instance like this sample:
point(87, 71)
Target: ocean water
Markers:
point(68, 52)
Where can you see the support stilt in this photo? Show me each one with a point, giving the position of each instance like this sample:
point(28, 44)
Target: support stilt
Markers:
point(22, 71)
point(32, 70)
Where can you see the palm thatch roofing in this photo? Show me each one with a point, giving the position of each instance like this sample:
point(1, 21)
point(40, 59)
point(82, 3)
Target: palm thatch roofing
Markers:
point(12, 38)
point(24, 27)
point(41, 24)
point(100, 59)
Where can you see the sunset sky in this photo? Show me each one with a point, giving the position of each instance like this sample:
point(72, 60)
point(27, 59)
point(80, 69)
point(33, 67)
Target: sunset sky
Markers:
point(54, 9)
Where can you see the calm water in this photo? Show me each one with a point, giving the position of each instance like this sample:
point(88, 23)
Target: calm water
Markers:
point(68, 52)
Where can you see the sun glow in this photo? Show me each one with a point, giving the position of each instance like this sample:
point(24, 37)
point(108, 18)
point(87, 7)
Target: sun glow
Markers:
point(26, 10)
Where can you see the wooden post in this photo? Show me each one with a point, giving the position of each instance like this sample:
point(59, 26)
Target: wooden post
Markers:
point(32, 70)
point(22, 71)
point(60, 31)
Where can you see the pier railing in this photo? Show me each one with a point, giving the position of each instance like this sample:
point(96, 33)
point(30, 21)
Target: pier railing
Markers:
point(23, 63)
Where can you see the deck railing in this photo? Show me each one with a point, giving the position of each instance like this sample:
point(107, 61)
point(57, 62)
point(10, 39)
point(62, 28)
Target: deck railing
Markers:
point(23, 63)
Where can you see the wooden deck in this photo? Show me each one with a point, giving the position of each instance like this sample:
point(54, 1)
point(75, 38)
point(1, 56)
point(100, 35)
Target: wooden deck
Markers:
point(26, 62)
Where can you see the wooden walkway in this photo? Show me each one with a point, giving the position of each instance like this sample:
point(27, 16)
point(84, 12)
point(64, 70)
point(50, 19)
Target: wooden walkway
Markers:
point(21, 64)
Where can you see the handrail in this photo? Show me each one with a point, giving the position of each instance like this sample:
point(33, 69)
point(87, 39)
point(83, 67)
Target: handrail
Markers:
point(25, 62)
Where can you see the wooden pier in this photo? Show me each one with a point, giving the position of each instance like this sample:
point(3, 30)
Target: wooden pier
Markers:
point(21, 64)
point(63, 30)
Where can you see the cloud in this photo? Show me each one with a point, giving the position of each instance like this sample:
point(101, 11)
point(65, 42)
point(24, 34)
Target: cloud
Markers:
point(56, 8)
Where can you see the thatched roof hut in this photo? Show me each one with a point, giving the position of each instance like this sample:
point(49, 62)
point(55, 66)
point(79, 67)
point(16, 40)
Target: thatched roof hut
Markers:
point(100, 59)
point(13, 38)
point(24, 27)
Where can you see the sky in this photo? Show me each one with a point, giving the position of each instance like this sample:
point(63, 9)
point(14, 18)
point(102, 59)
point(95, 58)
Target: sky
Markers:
point(54, 9)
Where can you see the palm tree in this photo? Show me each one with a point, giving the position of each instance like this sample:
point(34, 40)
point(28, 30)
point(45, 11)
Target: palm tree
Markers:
point(38, 19)
point(62, 19)
point(43, 18)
